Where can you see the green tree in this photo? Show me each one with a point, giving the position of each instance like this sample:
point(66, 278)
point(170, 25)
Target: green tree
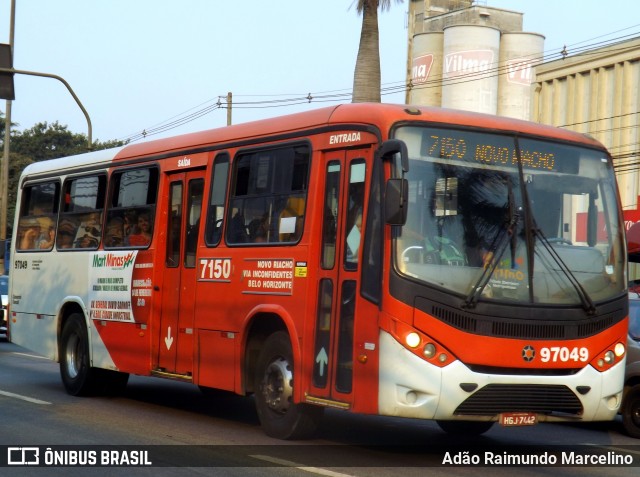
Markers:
point(2, 129)
point(366, 78)
point(51, 141)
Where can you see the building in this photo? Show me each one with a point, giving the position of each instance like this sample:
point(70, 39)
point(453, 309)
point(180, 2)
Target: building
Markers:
point(463, 55)
point(597, 92)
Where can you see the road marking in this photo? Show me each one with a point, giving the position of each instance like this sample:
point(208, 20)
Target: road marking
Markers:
point(288, 463)
point(31, 355)
point(23, 398)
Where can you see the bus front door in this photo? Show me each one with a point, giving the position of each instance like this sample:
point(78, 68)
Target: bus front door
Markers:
point(333, 351)
point(183, 208)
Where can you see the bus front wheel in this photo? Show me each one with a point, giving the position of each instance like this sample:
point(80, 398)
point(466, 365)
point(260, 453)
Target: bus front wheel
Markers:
point(279, 415)
point(631, 411)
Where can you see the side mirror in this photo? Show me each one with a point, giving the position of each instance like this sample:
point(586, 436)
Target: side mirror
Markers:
point(395, 146)
point(395, 201)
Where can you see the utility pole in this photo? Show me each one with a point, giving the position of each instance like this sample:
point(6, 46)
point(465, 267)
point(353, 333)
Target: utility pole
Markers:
point(4, 170)
point(229, 98)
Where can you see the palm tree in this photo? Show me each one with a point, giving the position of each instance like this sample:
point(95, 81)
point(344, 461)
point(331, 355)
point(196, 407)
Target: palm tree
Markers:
point(366, 78)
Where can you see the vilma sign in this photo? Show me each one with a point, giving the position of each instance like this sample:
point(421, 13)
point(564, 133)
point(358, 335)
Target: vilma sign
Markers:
point(6, 79)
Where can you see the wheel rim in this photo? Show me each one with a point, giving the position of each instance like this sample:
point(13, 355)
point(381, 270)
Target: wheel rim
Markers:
point(276, 386)
point(73, 356)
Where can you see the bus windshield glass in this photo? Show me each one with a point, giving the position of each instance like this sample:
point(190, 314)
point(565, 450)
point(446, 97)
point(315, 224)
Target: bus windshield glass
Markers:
point(495, 217)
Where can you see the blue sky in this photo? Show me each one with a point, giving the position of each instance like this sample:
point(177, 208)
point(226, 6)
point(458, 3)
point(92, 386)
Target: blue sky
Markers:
point(142, 64)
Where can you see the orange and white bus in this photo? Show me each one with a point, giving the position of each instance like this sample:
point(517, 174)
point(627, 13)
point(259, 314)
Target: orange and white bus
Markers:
point(379, 259)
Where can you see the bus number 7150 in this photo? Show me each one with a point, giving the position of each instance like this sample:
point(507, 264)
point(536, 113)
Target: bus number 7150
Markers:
point(215, 269)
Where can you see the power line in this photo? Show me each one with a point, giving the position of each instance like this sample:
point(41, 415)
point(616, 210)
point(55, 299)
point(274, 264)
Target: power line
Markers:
point(391, 88)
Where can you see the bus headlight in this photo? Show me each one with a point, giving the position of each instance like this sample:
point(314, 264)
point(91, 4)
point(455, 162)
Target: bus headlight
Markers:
point(412, 340)
point(619, 350)
point(429, 350)
point(609, 357)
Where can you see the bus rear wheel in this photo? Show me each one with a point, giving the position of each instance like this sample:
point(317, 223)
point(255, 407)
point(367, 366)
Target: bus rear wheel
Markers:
point(279, 415)
point(75, 367)
point(78, 377)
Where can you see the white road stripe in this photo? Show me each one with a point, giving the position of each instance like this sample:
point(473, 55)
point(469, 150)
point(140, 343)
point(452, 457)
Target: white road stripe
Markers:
point(23, 398)
point(288, 463)
point(31, 355)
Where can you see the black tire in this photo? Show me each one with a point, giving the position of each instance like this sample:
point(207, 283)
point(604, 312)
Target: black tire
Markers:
point(78, 377)
point(279, 415)
point(631, 411)
point(473, 428)
point(75, 369)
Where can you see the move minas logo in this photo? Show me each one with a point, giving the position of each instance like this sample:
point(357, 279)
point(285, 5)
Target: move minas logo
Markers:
point(113, 260)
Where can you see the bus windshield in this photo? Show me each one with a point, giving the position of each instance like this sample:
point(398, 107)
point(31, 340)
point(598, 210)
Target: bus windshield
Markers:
point(495, 217)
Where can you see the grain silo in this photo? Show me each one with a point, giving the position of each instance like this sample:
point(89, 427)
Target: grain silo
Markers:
point(426, 71)
point(520, 52)
point(469, 71)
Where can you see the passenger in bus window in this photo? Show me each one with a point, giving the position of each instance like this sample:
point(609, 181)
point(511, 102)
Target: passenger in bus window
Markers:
point(353, 237)
point(237, 232)
point(30, 234)
point(258, 230)
point(47, 241)
point(88, 234)
point(130, 220)
point(114, 234)
point(141, 235)
point(66, 233)
point(86, 241)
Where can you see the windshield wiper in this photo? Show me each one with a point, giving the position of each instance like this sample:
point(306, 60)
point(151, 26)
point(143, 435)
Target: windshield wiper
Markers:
point(496, 249)
point(587, 303)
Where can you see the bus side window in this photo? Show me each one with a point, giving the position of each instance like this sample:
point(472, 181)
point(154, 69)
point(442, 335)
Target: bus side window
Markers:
point(269, 194)
point(38, 215)
point(217, 197)
point(194, 211)
point(173, 224)
point(82, 212)
point(355, 206)
point(330, 215)
point(133, 201)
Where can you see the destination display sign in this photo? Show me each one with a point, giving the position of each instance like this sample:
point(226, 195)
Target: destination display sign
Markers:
point(499, 150)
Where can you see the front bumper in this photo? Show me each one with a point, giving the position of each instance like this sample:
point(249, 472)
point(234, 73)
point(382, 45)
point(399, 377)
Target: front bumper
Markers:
point(412, 387)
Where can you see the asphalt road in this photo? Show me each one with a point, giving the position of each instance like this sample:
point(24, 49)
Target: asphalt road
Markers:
point(180, 431)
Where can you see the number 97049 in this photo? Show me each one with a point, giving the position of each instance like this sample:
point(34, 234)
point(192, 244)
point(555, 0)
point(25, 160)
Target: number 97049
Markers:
point(562, 354)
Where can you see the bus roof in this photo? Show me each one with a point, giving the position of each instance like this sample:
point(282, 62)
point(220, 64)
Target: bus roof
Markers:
point(383, 116)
